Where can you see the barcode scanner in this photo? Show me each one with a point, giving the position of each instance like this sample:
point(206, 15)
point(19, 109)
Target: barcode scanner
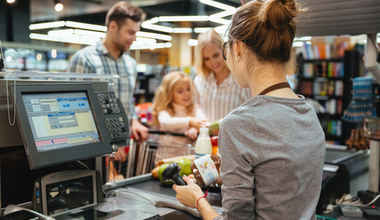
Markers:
point(172, 172)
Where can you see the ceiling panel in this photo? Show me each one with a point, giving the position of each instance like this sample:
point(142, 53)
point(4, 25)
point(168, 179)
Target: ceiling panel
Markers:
point(323, 17)
point(339, 17)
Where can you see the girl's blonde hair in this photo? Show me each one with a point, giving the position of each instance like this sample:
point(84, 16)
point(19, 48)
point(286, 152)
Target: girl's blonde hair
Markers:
point(163, 97)
point(210, 36)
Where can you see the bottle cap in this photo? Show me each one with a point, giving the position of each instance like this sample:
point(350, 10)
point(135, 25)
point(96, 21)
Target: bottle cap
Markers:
point(203, 130)
point(214, 140)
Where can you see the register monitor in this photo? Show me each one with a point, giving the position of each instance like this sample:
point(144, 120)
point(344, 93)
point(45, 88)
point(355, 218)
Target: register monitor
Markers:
point(59, 123)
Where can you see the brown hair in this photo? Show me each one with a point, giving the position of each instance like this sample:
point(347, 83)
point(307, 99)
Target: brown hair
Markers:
point(210, 36)
point(163, 97)
point(267, 28)
point(122, 10)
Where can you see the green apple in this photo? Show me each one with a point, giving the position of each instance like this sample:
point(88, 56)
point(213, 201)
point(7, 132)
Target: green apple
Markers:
point(162, 179)
point(185, 165)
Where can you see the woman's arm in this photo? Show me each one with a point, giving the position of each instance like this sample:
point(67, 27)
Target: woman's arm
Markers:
point(236, 170)
point(190, 195)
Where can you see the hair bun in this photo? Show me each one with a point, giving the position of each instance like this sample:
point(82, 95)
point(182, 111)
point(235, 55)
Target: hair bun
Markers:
point(278, 13)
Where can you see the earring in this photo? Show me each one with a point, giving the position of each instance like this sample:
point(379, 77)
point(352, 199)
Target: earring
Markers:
point(237, 58)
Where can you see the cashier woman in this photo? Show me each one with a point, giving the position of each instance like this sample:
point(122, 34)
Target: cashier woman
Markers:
point(272, 147)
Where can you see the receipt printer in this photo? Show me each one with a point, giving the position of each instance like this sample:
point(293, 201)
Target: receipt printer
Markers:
point(66, 190)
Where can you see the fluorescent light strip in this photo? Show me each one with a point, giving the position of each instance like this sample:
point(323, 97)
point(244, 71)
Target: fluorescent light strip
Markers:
point(65, 39)
point(182, 30)
point(77, 32)
point(46, 25)
point(202, 29)
point(148, 25)
point(145, 40)
point(223, 14)
point(86, 26)
point(182, 18)
point(219, 20)
point(154, 20)
point(218, 5)
point(222, 29)
point(154, 35)
point(151, 47)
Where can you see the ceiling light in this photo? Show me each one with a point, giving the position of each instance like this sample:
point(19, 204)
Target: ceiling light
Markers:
point(86, 26)
point(77, 32)
point(182, 18)
point(182, 30)
point(148, 25)
point(58, 6)
point(218, 5)
point(201, 29)
point(65, 39)
point(145, 40)
point(219, 20)
point(224, 13)
point(150, 47)
point(46, 25)
point(222, 28)
point(10, 1)
point(154, 35)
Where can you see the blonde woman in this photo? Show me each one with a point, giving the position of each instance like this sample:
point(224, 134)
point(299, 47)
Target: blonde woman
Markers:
point(175, 111)
point(217, 91)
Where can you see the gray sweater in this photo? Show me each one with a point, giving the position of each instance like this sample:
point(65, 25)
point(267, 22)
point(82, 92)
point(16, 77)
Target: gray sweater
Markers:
point(272, 153)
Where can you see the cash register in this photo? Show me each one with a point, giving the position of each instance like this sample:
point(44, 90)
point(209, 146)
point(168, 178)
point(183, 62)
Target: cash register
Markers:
point(65, 128)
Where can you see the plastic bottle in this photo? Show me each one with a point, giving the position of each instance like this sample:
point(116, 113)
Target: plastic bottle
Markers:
point(203, 143)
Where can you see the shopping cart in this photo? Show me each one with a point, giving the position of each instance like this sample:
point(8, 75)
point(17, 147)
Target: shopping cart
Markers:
point(144, 156)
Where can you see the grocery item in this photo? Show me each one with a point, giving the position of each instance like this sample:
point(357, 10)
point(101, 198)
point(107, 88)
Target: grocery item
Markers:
point(214, 127)
point(203, 143)
point(214, 144)
point(205, 170)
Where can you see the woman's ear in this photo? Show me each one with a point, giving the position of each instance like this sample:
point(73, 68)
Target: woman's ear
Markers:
point(238, 48)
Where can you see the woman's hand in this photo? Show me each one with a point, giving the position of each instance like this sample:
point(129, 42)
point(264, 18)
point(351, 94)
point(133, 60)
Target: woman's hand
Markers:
point(197, 123)
point(188, 195)
point(192, 133)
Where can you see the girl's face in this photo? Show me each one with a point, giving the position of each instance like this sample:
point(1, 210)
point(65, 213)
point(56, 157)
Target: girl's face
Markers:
point(182, 93)
point(212, 58)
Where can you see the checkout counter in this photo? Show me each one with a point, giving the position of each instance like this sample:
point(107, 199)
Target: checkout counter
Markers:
point(24, 163)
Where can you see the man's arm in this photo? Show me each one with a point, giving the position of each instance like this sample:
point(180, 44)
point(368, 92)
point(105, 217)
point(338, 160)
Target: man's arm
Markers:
point(139, 131)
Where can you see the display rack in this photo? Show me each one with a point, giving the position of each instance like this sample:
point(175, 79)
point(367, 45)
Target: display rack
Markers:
point(327, 83)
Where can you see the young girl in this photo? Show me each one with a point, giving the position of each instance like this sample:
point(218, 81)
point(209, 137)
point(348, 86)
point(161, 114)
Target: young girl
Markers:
point(174, 110)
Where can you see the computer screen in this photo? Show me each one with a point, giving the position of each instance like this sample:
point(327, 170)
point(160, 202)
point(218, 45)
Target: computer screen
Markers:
point(60, 123)
point(60, 120)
